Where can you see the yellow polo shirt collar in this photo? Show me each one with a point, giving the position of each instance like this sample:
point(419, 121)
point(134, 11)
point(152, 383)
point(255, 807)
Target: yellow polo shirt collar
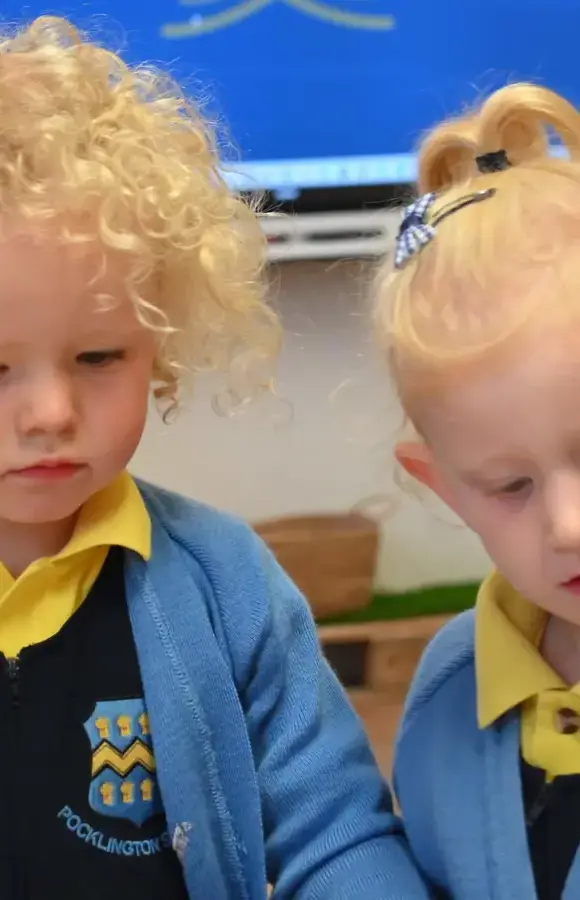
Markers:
point(512, 673)
point(509, 667)
point(115, 516)
point(35, 606)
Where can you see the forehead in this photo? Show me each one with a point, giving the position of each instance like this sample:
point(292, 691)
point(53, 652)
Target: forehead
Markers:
point(45, 286)
point(525, 404)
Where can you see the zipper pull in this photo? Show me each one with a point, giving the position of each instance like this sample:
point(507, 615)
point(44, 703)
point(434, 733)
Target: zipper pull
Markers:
point(13, 666)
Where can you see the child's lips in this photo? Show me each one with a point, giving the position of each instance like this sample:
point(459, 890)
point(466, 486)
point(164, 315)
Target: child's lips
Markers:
point(572, 584)
point(49, 471)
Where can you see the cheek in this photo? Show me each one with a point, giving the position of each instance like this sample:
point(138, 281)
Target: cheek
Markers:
point(481, 514)
point(118, 417)
point(505, 532)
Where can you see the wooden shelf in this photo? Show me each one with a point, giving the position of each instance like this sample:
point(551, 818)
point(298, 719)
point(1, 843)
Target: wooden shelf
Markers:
point(385, 655)
point(424, 627)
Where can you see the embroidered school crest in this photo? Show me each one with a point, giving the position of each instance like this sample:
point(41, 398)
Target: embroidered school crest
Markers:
point(123, 783)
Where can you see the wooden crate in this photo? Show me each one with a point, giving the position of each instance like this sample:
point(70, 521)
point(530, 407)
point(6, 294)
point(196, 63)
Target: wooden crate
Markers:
point(391, 652)
point(391, 649)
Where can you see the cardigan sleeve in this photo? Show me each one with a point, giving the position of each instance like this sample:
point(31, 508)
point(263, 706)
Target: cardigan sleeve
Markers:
point(330, 829)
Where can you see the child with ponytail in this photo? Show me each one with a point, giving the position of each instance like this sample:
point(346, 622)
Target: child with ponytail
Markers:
point(480, 319)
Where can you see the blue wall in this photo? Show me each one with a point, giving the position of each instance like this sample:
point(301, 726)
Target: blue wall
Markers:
point(317, 78)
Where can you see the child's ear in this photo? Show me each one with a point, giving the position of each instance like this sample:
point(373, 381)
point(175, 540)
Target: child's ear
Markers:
point(417, 460)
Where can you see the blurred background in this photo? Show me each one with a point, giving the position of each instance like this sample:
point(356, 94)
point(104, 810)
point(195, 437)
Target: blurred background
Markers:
point(320, 105)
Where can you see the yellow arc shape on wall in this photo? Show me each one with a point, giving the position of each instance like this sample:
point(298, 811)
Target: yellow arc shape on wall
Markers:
point(317, 9)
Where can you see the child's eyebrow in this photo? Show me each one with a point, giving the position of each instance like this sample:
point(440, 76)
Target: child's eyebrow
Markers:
point(113, 332)
point(108, 334)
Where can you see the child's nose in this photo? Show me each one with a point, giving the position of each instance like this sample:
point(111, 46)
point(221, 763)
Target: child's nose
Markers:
point(48, 406)
point(563, 504)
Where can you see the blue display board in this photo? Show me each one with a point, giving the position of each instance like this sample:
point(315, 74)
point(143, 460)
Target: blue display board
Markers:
point(337, 91)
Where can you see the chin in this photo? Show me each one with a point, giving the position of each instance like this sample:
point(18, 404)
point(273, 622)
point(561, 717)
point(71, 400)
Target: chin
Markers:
point(44, 508)
point(40, 515)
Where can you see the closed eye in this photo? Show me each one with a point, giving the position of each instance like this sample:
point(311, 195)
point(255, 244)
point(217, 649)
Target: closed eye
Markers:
point(100, 358)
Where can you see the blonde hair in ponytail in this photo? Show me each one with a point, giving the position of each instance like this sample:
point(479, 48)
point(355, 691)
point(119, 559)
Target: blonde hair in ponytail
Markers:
point(495, 264)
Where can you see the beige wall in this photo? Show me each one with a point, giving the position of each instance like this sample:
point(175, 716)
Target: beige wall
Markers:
point(332, 452)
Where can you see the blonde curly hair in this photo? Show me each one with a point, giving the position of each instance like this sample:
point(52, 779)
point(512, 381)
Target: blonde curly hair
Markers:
point(132, 159)
point(494, 267)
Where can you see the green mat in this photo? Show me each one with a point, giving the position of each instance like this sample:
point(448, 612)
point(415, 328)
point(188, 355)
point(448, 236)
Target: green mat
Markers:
point(431, 601)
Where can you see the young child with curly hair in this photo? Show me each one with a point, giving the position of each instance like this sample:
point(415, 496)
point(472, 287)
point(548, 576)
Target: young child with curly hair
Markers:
point(169, 727)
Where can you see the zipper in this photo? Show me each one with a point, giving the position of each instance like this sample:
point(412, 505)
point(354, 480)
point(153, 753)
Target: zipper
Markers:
point(539, 805)
point(12, 668)
point(13, 665)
